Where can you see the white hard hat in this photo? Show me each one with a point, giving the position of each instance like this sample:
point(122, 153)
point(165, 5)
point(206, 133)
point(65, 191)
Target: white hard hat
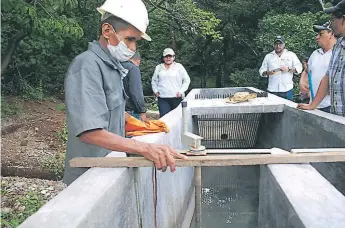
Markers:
point(131, 11)
point(168, 51)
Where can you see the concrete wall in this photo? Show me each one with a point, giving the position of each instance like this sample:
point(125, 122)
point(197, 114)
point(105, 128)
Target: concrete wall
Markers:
point(93, 200)
point(107, 198)
point(174, 189)
point(306, 129)
point(299, 195)
point(290, 195)
point(295, 128)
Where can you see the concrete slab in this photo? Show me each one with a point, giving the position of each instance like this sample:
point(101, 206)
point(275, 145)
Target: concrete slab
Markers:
point(93, 200)
point(311, 201)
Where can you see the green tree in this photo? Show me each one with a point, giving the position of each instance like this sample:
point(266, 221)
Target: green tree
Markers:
point(33, 35)
point(297, 30)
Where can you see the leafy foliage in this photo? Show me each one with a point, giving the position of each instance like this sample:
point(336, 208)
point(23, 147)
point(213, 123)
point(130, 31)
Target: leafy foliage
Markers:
point(220, 43)
point(247, 77)
point(39, 62)
point(297, 30)
point(31, 202)
point(55, 164)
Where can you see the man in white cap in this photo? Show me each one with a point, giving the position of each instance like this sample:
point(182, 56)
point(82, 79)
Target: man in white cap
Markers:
point(333, 83)
point(169, 82)
point(95, 99)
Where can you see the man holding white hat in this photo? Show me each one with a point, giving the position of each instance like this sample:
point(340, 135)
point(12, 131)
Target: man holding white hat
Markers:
point(95, 99)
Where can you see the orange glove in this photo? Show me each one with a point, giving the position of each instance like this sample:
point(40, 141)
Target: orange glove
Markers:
point(135, 127)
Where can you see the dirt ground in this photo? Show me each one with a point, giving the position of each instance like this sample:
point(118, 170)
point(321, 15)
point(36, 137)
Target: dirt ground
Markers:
point(29, 139)
point(30, 145)
point(32, 155)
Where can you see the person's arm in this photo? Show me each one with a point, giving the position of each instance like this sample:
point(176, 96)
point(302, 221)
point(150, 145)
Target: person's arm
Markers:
point(320, 95)
point(185, 80)
point(303, 83)
point(136, 90)
point(154, 81)
point(263, 71)
point(86, 105)
point(161, 155)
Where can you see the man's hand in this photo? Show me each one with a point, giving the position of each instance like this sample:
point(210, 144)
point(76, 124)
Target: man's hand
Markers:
point(178, 94)
point(161, 155)
point(143, 117)
point(157, 94)
point(305, 106)
point(268, 73)
point(284, 68)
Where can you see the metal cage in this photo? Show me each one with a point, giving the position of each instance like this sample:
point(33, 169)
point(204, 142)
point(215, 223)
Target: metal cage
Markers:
point(225, 131)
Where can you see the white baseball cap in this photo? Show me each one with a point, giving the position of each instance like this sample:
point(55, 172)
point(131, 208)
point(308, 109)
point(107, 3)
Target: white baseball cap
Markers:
point(131, 11)
point(168, 51)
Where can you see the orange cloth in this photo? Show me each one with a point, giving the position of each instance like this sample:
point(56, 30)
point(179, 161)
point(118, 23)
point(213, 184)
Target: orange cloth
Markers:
point(135, 127)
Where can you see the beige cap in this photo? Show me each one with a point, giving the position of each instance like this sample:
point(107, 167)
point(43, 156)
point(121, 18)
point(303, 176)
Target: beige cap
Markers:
point(168, 51)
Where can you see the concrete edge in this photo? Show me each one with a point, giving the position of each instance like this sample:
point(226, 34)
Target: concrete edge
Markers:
point(73, 205)
point(316, 201)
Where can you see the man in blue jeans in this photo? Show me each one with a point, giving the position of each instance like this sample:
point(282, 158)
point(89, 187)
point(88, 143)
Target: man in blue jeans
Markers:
point(135, 104)
point(279, 66)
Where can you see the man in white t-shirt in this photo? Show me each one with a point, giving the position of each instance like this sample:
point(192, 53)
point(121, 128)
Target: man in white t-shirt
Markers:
point(279, 66)
point(318, 64)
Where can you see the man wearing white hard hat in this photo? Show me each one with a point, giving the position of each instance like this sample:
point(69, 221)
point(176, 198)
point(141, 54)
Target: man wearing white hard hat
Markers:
point(94, 94)
point(169, 82)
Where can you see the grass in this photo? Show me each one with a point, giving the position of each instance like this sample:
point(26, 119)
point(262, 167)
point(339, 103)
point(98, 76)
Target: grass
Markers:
point(60, 107)
point(10, 108)
point(152, 106)
point(55, 164)
point(27, 205)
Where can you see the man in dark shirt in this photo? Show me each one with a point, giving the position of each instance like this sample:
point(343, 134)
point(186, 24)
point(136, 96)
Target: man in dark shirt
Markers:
point(135, 104)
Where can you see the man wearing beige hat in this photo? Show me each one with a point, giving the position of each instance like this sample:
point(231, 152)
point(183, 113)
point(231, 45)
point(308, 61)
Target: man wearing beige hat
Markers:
point(169, 82)
point(94, 93)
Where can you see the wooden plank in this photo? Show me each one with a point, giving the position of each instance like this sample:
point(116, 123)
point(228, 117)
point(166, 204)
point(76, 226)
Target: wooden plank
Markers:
point(236, 151)
point(232, 151)
point(318, 150)
point(212, 160)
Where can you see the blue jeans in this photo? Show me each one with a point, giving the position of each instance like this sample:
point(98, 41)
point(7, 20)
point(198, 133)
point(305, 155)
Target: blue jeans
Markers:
point(135, 115)
point(165, 105)
point(286, 95)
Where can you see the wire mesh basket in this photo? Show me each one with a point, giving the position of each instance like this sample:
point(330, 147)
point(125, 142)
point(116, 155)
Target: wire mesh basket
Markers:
point(226, 131)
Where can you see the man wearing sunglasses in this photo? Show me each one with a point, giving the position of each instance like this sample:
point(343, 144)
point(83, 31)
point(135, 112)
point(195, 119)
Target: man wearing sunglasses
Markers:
point(318, 64)
point(334, 80)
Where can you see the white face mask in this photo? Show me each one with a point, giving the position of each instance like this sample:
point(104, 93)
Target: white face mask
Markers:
point(121, 52)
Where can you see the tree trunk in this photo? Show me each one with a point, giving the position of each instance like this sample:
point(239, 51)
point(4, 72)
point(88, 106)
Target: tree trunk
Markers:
point(11, 47)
